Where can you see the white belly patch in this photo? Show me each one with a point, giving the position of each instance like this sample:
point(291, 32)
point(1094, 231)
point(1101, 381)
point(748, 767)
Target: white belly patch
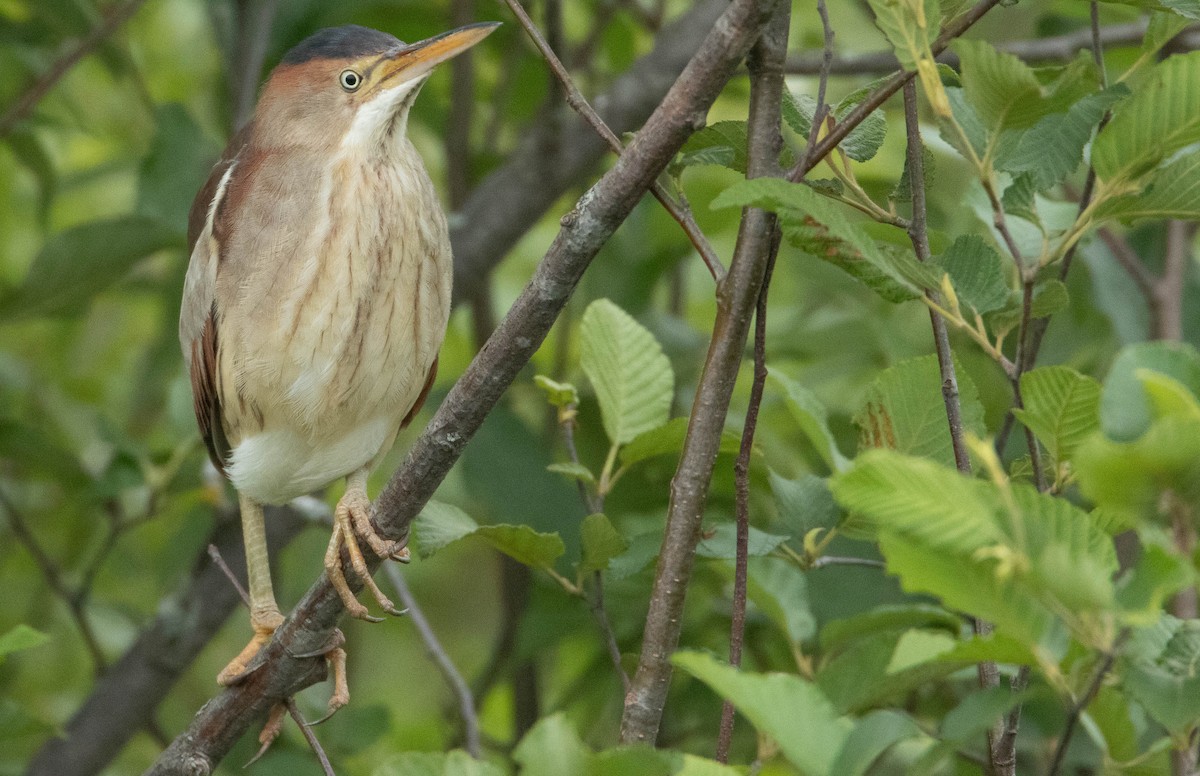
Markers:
point(273, 467)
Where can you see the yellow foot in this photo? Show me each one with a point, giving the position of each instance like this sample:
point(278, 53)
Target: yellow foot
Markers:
point(264, 627)
point(352, 519)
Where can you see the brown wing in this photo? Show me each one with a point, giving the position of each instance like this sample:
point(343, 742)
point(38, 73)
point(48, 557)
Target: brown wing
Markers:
point(199, 314)
point(424, 395)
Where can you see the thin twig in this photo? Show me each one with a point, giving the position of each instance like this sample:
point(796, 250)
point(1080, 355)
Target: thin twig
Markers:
point(53, 575)
point(25, 104)
point(825, 561)
point(581, 106)
point(437, 653)
point(1059, 48)
point(737, 295)
point(881, 95)
point(989, 674)
point(215, 554)
point(741, 467)
point(310, 736)
point(1085, 700)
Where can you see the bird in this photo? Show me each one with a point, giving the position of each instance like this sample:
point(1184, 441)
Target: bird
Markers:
point(317, 296)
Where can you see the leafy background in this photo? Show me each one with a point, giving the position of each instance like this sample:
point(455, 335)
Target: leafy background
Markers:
point(100, 462)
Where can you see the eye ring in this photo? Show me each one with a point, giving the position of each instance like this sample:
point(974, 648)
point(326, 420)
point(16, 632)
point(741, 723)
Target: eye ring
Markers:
point(350, 80)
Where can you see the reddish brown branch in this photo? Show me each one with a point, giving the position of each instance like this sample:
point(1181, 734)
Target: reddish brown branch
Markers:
point(737, 295)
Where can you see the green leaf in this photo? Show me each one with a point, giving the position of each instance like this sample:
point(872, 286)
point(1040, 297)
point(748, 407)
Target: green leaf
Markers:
point(523, 544)
point(559, 395)
point(910, 26)
point(1163, 672)
point(720, 542)
point(917, 647)
point(836, 634)
point(552, 747)
point(780, 590)
point(819, 226)
point(667, 439)
point(1162, 28)
point(977, 712)
point(20, 637)
point(1053, 147)
point(574, 470)
point(1188, 9)
point(1125, 408)
point(180, 159)
point(699, 766)
point(455, 763)
point(865, 140)
point(1062, 408)
point(1128, 478)
point(904, 410)
point(790, 710)
point(80, 262)
point(1172, 191)
point(812, 416)
point(1144, 589)
point(804, 503)
point(1003, 90)
point(873, 734)
point(632, 377)
point(441, 524)
point(641, 759)
point(601, 543)
point(858, 677)
point(723, 143)
point(977, 272)
point(1161, 117)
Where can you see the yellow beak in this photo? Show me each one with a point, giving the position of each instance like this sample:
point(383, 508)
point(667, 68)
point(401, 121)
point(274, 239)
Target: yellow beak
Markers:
point(417, 59)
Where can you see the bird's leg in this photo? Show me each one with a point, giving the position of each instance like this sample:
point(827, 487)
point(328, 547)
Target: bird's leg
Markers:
point(360, 511)
point(264, 612)
point(352, 510)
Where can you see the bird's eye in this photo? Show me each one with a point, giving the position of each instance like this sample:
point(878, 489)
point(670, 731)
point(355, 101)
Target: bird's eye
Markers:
point(350, 80)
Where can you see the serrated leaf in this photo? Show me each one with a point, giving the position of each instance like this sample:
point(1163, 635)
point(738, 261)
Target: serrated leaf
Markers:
point(632, 376)
point(858, 677)
point(790, 710)
point(1163, 26)
point(1062, 408)
point(722, 143)
point(1003, 90)
point(835, 635)
point(1188, 9)
point(977, 272)
point(1164, 674)
point(904, 410)
point(575, 471)
point(1161, 117)
point(601, 543)
point(80, 262)
point(820, 227)
point(865, 140)
point(1053, 147)
point(1172, 191)
point(1144, 589)
point(812, 416)
point(667, 439)
point(909, 25)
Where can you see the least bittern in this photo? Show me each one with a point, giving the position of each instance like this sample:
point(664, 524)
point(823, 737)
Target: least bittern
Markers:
point(318, 294)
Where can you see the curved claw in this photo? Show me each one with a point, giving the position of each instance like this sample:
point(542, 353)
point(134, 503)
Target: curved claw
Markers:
point(270, 732)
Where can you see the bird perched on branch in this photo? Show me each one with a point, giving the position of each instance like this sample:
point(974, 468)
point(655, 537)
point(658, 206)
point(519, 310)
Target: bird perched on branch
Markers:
point(317, 296)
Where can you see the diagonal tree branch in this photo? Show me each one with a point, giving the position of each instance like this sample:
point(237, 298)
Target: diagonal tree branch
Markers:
point(283, 667)
point(737, 294)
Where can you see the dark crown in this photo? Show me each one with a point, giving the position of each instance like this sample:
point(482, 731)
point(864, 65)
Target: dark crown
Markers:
point(349, 41)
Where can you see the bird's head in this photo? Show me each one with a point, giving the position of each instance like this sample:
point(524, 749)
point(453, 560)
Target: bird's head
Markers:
point(352, 85)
